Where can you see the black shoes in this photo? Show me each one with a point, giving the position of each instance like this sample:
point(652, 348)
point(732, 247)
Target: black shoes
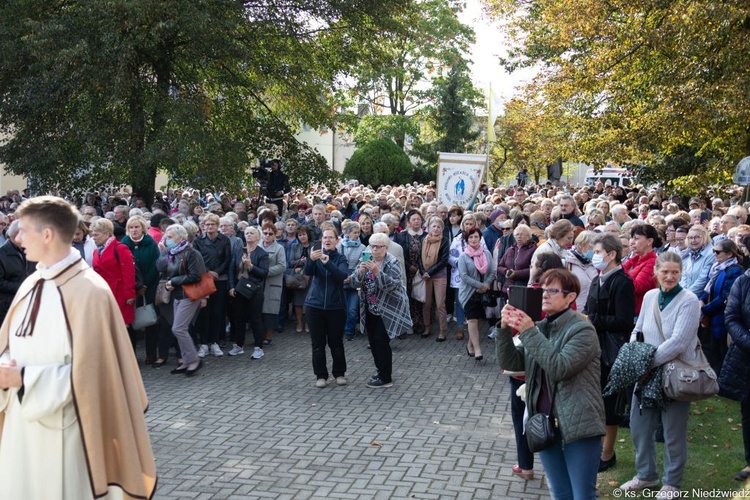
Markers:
point(192, 372)
point(608, 464)
point(179, 370)
point(471, 354)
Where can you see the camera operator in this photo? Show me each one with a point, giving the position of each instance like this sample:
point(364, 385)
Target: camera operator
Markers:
point(278, 185)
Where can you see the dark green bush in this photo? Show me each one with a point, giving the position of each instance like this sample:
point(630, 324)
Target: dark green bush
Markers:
point(379, 162)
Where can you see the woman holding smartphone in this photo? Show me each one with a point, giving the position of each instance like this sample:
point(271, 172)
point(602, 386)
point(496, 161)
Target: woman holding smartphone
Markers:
point(325, 307)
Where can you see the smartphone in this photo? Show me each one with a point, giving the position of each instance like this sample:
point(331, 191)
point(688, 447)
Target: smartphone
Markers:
point(366, 256)
point(317, 245)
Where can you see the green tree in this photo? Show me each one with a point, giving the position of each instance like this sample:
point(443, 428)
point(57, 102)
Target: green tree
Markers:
point(112, 91)
point(396, 71)
point(449, 124)
point(645, 82)
point(379, 162)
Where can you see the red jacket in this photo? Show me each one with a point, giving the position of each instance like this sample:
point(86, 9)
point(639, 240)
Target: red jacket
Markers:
point(119, 273)
point(641, 269)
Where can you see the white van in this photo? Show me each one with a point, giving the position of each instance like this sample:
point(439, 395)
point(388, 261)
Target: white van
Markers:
point(616, 176)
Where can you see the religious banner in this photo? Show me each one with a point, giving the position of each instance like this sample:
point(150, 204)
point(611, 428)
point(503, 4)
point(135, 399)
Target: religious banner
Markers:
point(458, 178)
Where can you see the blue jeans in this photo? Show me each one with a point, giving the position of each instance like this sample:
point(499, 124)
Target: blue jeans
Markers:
point(458, 312)
point(352, 310)
point(571, 471)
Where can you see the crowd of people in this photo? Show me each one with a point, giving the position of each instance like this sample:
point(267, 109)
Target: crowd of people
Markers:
point(394, 262)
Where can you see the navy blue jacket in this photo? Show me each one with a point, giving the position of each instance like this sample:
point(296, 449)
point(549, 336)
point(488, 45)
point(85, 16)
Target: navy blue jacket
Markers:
point(734, 379)
point(715, 303)
point(327, 284)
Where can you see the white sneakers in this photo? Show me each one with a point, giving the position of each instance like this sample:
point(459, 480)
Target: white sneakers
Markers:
point(321, 383)
point(236, 350)
point(341, 381)
point(257, 353)
point(636, 484)
point(216, 350)
point(668, 492)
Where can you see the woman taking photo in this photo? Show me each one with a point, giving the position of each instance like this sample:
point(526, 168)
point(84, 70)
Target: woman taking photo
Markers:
point(384, 307)
point(145, 253)
point(560, 356)
point(247, 293)
point(640, 265)
point(325, 308)
point(410, 242)
point(477, 274)
point(610, 306)
point(433, 260)
point(677, 337)
point(298, 254)
point(181, 265)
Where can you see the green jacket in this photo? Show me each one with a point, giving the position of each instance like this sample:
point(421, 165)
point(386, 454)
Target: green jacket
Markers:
point(567, 349)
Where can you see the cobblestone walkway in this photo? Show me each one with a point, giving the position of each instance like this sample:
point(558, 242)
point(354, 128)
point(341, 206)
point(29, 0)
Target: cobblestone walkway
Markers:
point(259, 429)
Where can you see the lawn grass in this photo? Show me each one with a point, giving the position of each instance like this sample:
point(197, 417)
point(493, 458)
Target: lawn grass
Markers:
point(715, 451)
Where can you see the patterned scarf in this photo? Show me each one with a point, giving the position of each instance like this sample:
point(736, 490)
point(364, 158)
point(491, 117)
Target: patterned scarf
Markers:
point(716, 268)
point(696, 254)
point(480, 261)
point(176, 249)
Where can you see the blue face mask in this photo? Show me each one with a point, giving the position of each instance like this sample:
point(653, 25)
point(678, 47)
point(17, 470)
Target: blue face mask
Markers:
point(170, 244)
point(589, 254)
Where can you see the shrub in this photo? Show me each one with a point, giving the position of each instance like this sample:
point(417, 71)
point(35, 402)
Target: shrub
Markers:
point(379, 162)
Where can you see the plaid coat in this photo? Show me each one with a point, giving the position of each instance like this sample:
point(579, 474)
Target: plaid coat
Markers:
point(390, 297)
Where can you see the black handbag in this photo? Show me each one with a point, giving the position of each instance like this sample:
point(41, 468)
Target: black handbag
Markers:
point(247, 288)
point(540, 429)
point(489, 299)
point(610, 346)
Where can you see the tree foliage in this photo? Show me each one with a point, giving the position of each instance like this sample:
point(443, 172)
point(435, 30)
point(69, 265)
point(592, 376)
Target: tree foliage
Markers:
point(112, 91)
point(379, 162)
point(449, 124)
point(396, 73)
point(645, 82)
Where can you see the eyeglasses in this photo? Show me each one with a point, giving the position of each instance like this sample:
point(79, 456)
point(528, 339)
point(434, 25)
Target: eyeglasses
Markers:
point(554, 291)
point(717, 252)
point(266, 232)
point(378, 247)
point(507, 228)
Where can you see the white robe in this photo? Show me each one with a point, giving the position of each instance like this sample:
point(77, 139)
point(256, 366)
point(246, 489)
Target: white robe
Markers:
point(41, 451)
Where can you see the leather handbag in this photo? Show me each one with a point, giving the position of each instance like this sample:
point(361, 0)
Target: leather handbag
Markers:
point(145, 316)
point(247, 288)
point(200, 289)
point(163, 296)
point(540, 429)
point(687, 380)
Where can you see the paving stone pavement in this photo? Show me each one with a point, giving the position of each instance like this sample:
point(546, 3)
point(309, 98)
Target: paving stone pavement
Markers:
point(247, 428)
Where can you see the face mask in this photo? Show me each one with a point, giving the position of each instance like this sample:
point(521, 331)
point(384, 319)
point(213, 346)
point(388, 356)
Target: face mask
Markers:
point(170, 244)
point(589, 254)
point(597, 260)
